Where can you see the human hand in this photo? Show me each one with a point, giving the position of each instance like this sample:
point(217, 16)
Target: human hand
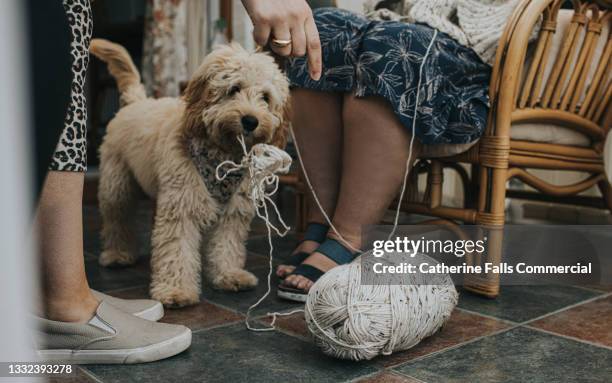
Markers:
point(289, 20)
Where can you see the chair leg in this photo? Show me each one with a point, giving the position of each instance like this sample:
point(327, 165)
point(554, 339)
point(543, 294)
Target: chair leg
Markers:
point(606, 191)
point(487, 285)
point(491, 217)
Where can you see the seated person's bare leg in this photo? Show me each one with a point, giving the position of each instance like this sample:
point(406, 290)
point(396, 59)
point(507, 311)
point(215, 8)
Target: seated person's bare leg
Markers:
point(374, 153)
point(317, 122)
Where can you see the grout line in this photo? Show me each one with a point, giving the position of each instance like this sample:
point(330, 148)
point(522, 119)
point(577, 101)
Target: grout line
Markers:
point(406, 375)
point(89, 374)
point(569, 337)
point(220, 325)
point(359, 378)
point(461, 344)
point(591, 289)
point(506, 321)
point(601, 296)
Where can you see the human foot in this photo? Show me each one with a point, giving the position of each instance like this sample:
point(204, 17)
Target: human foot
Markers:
point(313, 237)
point(327, 256)
point(110, 336)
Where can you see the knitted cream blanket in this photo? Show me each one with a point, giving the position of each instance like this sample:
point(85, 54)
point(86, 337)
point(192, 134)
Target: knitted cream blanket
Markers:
point(477, 24)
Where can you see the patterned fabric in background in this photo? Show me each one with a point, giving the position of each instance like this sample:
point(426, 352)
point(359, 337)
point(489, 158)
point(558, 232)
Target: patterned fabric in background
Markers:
point(383, 58)
point(165, 47)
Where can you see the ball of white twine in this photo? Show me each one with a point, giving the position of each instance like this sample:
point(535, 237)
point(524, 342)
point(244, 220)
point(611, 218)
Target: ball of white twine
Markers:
point(352, 321)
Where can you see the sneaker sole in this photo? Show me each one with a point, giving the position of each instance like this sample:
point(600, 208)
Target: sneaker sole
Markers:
point(150, 353)
point(153, 313)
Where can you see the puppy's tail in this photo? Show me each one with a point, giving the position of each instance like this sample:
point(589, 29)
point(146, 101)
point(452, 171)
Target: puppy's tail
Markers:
point(122, 68)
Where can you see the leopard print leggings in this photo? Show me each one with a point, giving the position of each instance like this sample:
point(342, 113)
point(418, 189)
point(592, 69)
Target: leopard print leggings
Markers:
point(71, 151)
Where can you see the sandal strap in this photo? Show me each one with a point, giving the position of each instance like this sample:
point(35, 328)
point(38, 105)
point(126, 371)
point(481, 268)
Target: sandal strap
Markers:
point(308, 271)
point(297, 258)
point(316, 232)
point(335, 251)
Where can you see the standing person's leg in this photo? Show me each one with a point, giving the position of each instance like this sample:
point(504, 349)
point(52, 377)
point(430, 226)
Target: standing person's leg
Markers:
point(80, 325)
point(66, 294)
point(59, 221)
point(375, 151)
point(317, 123)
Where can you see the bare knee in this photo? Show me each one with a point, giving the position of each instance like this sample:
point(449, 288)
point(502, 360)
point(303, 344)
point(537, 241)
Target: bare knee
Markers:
point(309, 105)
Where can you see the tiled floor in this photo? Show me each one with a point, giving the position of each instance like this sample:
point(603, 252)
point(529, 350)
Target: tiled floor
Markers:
point(528, 334)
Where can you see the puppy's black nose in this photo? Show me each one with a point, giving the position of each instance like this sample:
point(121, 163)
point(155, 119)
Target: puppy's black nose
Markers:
point(249, 123)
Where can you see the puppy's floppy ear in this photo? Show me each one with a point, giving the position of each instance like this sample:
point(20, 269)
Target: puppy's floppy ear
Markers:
point(280, 135)
point(195, 90)
point(196, 99)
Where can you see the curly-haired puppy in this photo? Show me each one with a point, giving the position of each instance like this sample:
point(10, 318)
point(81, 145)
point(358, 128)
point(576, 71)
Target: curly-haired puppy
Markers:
point(170, 147)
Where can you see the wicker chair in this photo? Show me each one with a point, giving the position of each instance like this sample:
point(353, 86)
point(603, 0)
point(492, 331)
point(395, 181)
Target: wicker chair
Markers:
point(563, 84)
point(566, 86)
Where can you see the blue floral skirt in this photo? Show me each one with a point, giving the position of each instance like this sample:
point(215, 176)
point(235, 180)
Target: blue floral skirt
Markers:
point(383, 58)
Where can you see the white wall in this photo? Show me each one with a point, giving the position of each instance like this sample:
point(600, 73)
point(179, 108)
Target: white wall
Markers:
point(243, 27)
point(17, 273)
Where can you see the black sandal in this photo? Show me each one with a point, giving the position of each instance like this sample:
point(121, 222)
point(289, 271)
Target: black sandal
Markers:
point(316, 232)
point(333, 250)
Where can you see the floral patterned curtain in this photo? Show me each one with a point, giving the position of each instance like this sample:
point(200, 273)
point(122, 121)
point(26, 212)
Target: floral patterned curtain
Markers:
point(165, 47)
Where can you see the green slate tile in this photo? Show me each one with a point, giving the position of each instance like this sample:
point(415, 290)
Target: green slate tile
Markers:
point(92, 226)
point(522, 303)
point(78, 377)
point(461, 327)
point(591, 322)
point(283, 246)
point(519, 355)
point(234, 354)
point(107, 279)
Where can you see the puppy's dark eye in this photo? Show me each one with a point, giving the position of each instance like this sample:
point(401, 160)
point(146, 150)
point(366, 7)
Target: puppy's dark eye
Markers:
point(234, 90)
point(266, 98)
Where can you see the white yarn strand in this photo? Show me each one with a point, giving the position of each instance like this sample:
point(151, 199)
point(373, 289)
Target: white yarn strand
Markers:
point(262, 162)
point(410, 160)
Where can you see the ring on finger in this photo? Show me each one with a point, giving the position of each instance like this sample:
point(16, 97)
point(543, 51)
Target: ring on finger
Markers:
point(279, 43)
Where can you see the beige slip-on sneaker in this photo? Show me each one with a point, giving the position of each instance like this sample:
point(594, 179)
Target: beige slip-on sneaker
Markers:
point(111, 336)
point(143, 308)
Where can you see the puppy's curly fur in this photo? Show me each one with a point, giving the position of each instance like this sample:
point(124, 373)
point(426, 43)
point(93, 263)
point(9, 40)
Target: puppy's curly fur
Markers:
point(147, 144)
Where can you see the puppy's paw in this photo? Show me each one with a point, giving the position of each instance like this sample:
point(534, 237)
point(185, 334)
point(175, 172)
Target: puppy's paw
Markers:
point(116, 258)
point(175, 298)
point(235, 280)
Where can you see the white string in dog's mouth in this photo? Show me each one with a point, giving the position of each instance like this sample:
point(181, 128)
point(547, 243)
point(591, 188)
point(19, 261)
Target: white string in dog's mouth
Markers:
point(262, 162)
